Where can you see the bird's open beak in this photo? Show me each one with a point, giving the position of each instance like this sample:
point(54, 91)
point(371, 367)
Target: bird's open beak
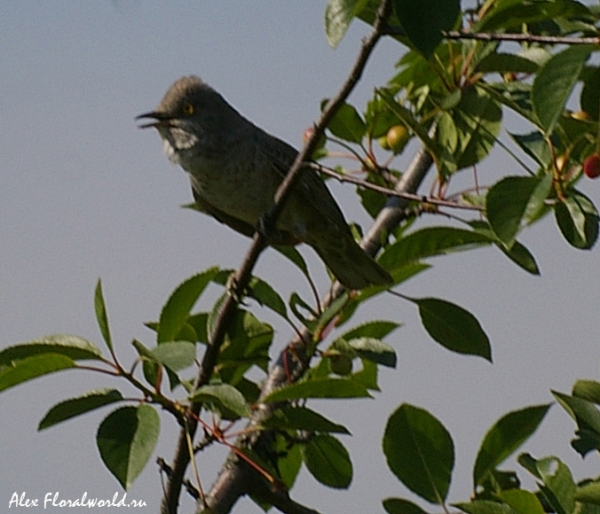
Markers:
point(160, 119)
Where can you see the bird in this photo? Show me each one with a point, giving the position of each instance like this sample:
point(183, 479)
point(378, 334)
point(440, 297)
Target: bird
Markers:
point(235, 169)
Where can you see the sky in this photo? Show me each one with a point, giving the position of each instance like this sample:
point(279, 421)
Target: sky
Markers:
point(85, 195)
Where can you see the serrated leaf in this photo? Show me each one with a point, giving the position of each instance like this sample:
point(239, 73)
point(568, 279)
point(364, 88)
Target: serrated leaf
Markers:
point(430, 242)
point(264, 294)
point(505, 437)
point(577, 218)
point(424, 21)
point(102, 315)
point(347, 124)
point(401, 506)
point(74, 347)
point(420, 452)
point(453, 327)
point(535, 145)
point(29, 368)
point(338, 16)
point(302, 418)
point(375, 350)
point(500, 62)
point(126, 439)
point(553, 84)
point(517, 253)
point(177, 309)
point(319, 388)
point(73, 407)
point(223, 395)
point(478, 120)
point(328, 461)
point(376, 328)
point(176, 355)
point(506, 205)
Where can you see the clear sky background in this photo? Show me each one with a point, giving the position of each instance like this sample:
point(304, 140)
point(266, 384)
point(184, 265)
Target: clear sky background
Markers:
point(85, 194)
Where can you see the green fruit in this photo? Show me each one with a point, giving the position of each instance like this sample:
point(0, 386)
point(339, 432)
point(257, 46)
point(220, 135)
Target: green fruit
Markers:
point(383, 142)
point(397, 137)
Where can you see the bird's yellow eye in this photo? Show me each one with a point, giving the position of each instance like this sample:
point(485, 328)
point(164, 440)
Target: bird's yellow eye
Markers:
point(188, 109)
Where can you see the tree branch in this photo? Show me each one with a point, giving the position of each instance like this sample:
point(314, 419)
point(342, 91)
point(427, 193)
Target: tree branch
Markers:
point(500, 36)
point(292, 363)
point(220, 498)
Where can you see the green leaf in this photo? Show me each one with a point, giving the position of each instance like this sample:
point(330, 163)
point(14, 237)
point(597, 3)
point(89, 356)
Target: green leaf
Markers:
point(302, 418)
point(500, 62)
point(74, 347)
point(338, 16)
point(401, 506)
point(375, 350)
point(552, 86)
point(289, 460)
point(319, 388)
point(328, 461)
point(264, 294)
point(517, 253)
point(424, 21)
point(367, 376)
point(378, 329)
point(126, 439)
point(293, 255)
point(535, 145)
point(577, 219)
point(176, 355)
point(484, 507)
point(76, 406)
point(453, 327)
point(430, 242)
point(506, 205)
point(505, 437)
point(102, 315)
point(559, 488)
point(223, 395)
point(522, 501)
point(580, 410)
point(587, 390)
point(29, 368)
point(347, 123)
point(420, 452)
point(513, 14)
point(589, 493)
point(177, 309)
point(477, 120)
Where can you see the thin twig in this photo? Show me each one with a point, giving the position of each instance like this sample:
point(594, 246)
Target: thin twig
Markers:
point(512, 36)
point(392, 192)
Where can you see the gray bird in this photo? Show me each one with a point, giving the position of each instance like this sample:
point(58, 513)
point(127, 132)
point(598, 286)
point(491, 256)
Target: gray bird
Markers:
point(235, 169)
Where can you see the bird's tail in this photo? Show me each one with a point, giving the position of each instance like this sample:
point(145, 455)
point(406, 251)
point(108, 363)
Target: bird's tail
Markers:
point(351, 265)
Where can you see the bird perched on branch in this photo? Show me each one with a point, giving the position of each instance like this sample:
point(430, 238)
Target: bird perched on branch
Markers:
point(235, 169)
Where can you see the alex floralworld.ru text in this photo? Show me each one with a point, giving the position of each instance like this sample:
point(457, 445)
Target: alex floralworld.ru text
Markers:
point(54, 500)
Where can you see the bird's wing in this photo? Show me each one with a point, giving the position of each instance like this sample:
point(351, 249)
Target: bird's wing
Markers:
point(309, 184)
